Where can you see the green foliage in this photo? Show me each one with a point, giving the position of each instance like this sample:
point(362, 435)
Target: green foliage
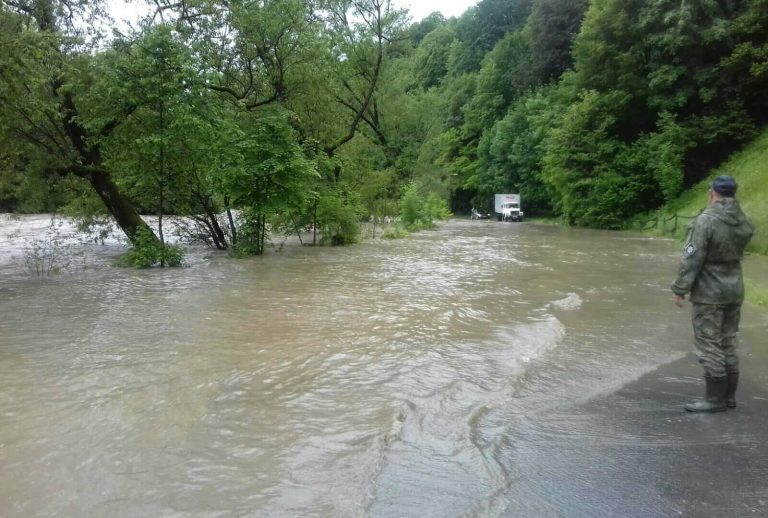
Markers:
point(274, 167)
point(161, 150)
point(510, 155)
point(412, 207)
point(251, 234)
point(273, 177)
point(606, 53)
point(146, 251)
point(29, 61)
point(430, 60)
point(198, 117)
point(576, 153)
point(480, 27)
point(298, 113)
point(420, 30)
point(550, 30)
point(503, 77)
point(458, 93)
point(31, 191)
point(419, 211)
point(395, 232)
point(665, 153)
point(749, 168)
point(338, 217)
point(755, 294)
point(47, 255)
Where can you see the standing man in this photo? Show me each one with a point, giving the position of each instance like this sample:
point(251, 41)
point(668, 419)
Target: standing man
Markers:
point(710, 272)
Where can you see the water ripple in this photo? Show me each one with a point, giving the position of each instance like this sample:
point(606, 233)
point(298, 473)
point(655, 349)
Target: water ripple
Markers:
point(409, 377)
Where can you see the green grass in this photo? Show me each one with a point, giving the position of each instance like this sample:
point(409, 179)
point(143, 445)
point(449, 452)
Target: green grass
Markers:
point(750, 168)
point(395, 232)
point(755, 295)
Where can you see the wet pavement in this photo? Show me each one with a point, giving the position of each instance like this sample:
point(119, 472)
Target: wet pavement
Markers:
point(637, 453)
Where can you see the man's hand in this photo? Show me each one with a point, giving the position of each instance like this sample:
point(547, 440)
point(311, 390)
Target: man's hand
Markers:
point(678, 300)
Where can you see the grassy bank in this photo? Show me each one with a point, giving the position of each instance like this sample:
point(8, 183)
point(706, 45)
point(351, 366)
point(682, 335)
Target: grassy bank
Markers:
point(755, 294)
point(750, 168)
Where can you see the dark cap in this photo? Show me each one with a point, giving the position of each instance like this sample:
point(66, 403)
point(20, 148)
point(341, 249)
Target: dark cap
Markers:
point(724, 185)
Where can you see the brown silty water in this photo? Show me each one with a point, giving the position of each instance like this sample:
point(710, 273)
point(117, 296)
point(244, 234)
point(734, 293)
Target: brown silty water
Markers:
point(391, 378)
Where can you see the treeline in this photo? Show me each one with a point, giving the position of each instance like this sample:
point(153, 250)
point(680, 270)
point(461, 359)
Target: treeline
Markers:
point(592, 110)
point(249, 117)
point(246, 117)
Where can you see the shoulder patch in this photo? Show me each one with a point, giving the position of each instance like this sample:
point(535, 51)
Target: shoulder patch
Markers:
point(689, 250)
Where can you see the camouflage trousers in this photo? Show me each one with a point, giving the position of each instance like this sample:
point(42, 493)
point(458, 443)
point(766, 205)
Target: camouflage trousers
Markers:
point(715, 327)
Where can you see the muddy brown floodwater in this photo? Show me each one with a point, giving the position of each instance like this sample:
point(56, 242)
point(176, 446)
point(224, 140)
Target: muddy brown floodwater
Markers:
point(451, 373)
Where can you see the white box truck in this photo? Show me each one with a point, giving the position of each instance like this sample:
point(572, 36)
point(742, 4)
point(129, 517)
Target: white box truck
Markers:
point(507, 207)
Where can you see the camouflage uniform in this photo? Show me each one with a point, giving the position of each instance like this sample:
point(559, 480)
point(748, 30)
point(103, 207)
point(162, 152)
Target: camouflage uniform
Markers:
point(711, 272)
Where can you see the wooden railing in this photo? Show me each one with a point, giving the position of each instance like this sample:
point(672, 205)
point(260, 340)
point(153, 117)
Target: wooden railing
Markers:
point(667, 225)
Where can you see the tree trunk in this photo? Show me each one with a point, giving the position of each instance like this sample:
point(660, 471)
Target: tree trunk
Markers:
point(263, 234)
point(214, 229)
point(125, 214)
point(314, 223)
point(73, 140)
point(231, 219)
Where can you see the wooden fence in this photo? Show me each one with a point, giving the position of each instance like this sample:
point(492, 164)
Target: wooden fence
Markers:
point(667, 225)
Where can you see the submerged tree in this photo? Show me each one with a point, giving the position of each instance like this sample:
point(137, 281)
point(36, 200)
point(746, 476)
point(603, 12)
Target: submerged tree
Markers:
point(41, 113)
point(271, 179)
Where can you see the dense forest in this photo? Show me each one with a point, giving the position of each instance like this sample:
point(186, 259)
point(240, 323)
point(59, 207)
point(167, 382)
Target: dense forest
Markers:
point(251, 117)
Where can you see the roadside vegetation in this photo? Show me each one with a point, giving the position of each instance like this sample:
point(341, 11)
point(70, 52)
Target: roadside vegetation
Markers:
point(757, 295)
point(750, 168)
point(260, 118)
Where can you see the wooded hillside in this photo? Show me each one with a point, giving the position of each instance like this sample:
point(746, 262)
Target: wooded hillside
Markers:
point(326, 112)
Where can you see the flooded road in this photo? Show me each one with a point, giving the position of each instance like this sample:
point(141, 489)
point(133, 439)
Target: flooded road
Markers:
point(423, 377)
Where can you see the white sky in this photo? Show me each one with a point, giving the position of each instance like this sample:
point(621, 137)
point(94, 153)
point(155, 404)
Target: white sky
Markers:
point(418, 9)
point(421, 8)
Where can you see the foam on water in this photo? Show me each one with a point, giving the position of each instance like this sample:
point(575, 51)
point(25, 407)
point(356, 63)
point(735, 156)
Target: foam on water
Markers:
point(571, 302)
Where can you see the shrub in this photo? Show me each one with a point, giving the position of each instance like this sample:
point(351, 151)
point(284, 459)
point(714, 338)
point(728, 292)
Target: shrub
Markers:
point(146, 251)
point(395, 232)
point(338, 216)
point(47, 255)
point(252, 234)
point(418, 212)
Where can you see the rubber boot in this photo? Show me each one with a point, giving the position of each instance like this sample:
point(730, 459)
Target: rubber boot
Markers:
point(714, 400)
point(730, 395)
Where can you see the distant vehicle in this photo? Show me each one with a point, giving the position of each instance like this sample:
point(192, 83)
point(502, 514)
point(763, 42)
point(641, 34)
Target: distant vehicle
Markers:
point(507, 207)
point(478, 214)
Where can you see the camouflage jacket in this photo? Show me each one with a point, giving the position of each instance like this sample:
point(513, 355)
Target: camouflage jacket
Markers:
point(714, 246)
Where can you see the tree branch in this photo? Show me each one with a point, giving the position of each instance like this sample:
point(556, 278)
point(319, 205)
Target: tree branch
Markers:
point(360, 112)
point(114, 123)
point(372, 122)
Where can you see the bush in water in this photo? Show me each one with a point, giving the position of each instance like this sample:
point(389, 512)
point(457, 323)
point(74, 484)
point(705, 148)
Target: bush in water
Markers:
point(146, 251)
point(49, 254)
point(418, 212)
point(46, 256)
point(395, 232)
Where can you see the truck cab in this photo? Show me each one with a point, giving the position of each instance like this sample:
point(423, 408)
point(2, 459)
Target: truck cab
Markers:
point(510, 211)
point(507, 207)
